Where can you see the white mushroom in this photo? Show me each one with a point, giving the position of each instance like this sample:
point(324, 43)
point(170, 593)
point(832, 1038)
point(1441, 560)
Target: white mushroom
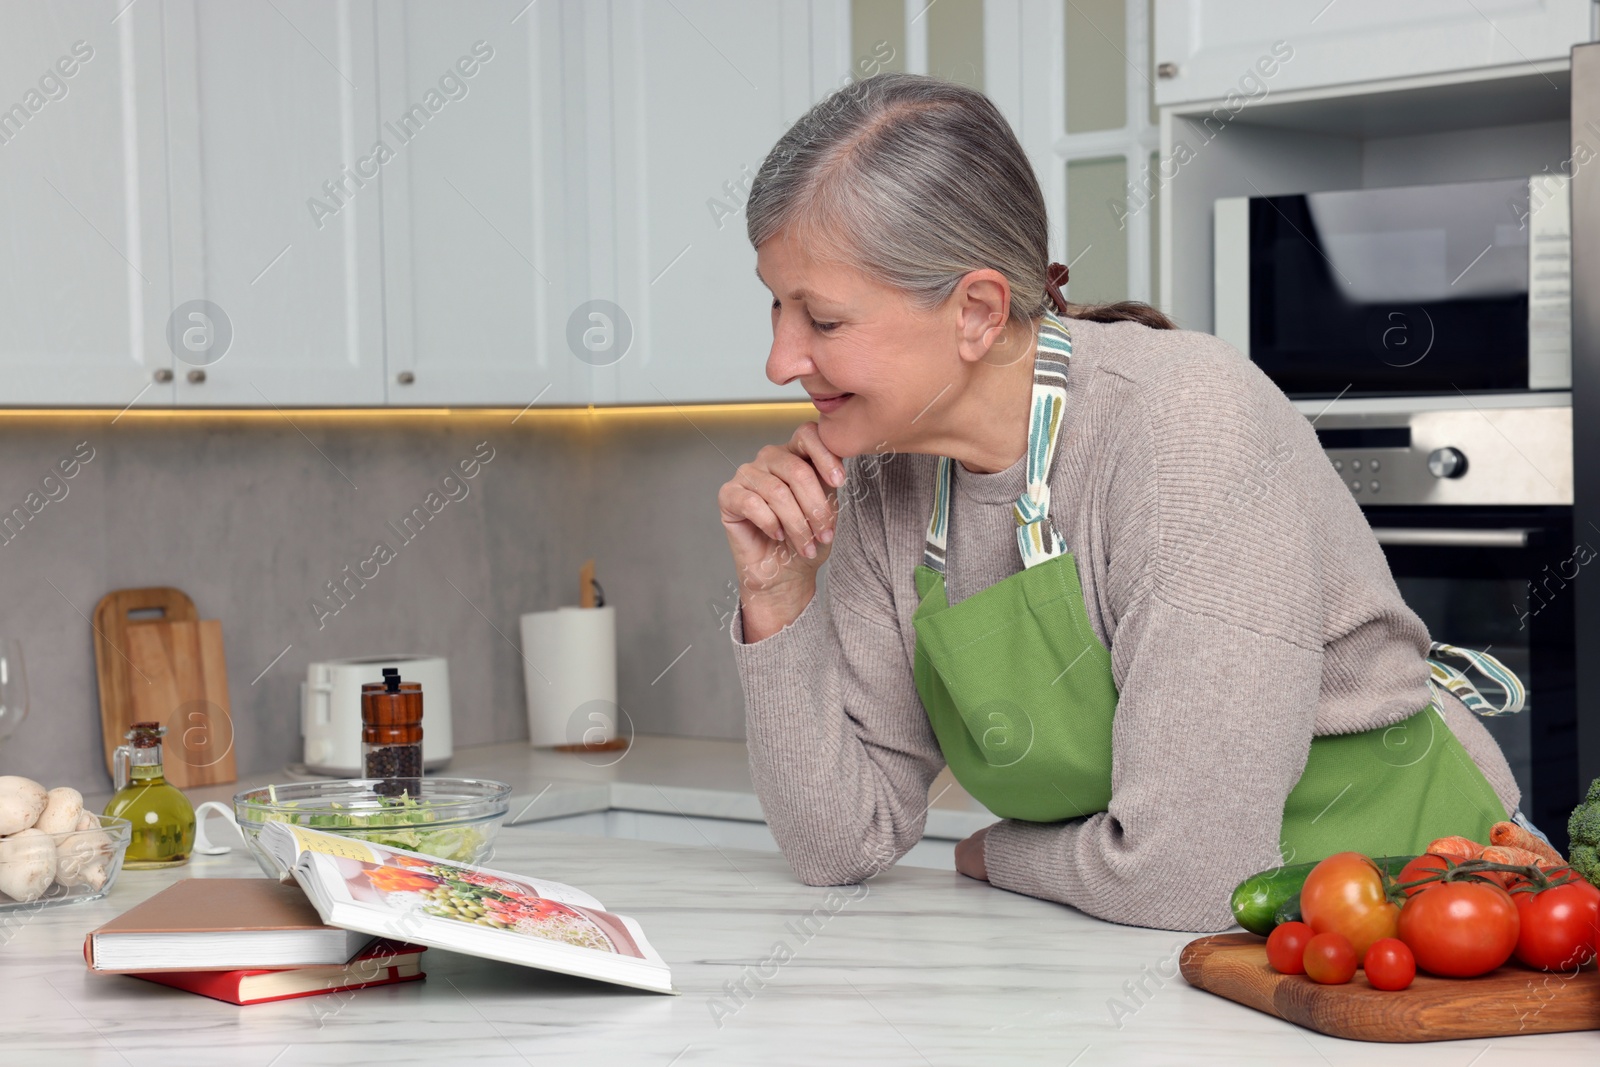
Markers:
point(61, 810)
point(27, 864)
point(84, 858)
point(22, 801)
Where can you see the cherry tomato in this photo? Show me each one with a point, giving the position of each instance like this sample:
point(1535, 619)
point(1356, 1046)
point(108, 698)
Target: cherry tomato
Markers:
point(1389, 964)
point(1330, 959)
point(1558, 926)
point(1344, 894)
point(1420, 868)
point(1460, 929)
point(1286, 947)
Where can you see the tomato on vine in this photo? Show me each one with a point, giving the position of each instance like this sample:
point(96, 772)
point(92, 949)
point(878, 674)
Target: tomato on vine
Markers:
point(1459, 929)
point(1559, 925)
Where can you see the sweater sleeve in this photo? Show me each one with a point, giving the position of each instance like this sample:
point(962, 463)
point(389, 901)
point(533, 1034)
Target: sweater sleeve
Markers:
point(1215, 588)
point(841, 754)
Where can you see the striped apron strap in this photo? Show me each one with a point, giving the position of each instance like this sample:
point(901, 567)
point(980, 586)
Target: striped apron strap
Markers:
point(939, 522)
point(1456, 681)
point(1036, 539)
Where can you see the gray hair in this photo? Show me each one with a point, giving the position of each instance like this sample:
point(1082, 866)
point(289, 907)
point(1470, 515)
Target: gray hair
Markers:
point(916, 181)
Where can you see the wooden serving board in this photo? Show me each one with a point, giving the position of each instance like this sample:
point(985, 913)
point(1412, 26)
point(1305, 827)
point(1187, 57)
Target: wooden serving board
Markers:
point(1505, 1002)
point(113, 667)
point(180, 679)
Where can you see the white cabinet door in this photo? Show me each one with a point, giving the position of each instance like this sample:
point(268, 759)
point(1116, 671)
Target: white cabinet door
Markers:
point(1217, 45)
point(685, 101)
point(480, 201)
point(272, 120)
point(84, 292)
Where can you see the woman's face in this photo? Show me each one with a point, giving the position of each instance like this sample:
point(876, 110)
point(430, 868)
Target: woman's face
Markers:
point(843, 334)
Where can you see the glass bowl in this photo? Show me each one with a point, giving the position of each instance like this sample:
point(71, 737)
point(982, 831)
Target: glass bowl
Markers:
point(89, 859)
point(453, 818)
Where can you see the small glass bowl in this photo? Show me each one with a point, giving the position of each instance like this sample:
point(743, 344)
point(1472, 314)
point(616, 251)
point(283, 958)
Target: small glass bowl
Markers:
point(454, 818)
point(86, 850)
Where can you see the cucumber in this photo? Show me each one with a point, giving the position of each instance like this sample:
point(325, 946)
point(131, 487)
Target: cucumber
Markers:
point(1264, 900)
point(1256, 900)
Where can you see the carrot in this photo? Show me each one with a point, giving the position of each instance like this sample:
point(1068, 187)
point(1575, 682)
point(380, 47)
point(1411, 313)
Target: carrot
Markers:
point(1509, 833)
point(1520, 856)
point(1456, 849)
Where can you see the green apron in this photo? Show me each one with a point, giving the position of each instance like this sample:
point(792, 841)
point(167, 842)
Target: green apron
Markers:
point(1020, 694)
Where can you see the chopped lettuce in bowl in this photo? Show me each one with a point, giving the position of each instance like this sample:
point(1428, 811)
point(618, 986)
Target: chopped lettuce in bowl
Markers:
point(452, 818)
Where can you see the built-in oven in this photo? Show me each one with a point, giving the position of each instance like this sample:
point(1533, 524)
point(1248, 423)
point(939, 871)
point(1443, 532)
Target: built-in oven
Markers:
point(1472, 503)
point(1415, 290)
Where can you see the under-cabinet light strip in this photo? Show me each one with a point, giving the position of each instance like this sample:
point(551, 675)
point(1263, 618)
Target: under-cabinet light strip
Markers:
point(510, 414)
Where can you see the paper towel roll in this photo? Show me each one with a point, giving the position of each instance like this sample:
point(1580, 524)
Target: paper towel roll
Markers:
point(569, 664)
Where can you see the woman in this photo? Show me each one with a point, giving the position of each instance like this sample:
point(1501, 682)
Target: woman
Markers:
point(1098, 565)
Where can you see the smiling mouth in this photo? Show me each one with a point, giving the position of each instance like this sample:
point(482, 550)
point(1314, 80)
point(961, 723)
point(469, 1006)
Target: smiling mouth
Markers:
point(831, 402)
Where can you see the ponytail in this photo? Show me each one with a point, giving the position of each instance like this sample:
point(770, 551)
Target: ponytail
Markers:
point(1122, 311)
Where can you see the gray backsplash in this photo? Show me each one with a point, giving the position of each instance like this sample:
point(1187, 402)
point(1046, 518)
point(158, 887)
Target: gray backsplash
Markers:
point(252, 516)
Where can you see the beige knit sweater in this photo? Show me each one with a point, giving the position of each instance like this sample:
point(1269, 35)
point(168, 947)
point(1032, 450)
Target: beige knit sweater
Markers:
point(1245, 601)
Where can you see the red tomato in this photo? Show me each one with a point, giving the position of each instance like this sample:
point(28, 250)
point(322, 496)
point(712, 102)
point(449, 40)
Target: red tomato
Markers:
point(1420, 868)
point(1389, 964)
point(1460, 929)
point(1344, 894)
point(1286, 947)
point(1559, 926)
point(1330, 959)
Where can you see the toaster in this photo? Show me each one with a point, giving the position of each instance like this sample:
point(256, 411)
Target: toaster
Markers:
point(330, 710)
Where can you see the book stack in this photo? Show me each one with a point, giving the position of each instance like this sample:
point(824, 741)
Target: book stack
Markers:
point(314, 926)
point(244, 941)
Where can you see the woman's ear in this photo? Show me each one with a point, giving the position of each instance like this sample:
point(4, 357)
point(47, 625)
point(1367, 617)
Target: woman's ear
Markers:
point(983, 304)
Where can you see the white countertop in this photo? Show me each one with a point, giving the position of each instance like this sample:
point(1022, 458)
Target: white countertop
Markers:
point(916, 966)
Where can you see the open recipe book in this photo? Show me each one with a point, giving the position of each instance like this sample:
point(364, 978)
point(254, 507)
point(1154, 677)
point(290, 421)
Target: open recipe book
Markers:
point(407, 896)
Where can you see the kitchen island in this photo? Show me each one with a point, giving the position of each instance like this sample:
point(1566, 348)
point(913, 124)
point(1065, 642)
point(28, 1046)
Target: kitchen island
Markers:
point(915, 966)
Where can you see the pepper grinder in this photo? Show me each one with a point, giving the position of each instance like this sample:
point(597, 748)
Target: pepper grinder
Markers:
point(391, 734)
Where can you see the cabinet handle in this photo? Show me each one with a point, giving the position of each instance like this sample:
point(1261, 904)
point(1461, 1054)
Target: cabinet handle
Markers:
point(1166, 70)
point(1451, 538)
point(197, 377)
point(163, 375)
point(405, 377)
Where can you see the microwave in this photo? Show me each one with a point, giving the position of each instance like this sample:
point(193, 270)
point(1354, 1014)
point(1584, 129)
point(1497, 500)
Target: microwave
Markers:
point(1415, 290)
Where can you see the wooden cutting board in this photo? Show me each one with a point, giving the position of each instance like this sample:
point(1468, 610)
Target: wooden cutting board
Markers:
point(1505, 1002)
point(156, 661)
point(113, 668)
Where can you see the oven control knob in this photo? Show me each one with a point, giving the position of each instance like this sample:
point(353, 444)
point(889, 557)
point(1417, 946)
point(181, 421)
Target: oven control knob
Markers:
point(1447, 463)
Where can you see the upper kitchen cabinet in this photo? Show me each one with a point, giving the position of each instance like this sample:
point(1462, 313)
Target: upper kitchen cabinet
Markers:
point(484, 200)
point(682, 103)
point(84, 292)
point(1209, 49)
point(272, 123)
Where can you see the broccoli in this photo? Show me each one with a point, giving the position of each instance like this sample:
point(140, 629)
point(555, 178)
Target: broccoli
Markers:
point(1584, 830)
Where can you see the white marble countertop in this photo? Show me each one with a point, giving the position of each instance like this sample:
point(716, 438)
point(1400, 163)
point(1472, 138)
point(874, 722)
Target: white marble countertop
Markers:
point(916, 966)
point(913, 967)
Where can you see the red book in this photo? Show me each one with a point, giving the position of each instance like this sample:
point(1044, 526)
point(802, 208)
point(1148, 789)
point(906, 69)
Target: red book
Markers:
point(383, 962)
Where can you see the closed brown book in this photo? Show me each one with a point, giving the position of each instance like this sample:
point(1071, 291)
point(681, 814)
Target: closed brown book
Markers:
point(219, 924)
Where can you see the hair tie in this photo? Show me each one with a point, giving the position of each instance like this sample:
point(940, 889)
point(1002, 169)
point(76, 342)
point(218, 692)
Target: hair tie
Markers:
point(1055, 276)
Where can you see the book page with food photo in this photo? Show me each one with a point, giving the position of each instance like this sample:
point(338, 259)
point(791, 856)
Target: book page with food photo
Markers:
point(495, 914)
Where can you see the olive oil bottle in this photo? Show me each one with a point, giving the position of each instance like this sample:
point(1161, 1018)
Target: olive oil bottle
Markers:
point(162, 817)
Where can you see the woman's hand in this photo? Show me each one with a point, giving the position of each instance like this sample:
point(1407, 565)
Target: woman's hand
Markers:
point(779, 511)
point(969, 856)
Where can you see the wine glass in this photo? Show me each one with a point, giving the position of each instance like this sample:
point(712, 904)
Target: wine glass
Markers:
point(13, 686)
